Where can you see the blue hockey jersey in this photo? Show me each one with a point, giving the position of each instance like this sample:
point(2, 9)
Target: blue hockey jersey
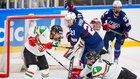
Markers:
point(80, 29)
point(119, 23)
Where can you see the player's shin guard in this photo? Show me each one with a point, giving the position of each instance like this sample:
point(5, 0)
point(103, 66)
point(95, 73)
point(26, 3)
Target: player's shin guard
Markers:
point(30, 72)
point(45, 73)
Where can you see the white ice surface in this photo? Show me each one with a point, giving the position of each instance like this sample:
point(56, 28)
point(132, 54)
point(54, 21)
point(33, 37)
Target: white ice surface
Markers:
point(130, 58)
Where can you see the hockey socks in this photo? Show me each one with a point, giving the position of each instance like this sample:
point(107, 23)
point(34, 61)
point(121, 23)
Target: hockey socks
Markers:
point(45, 73)
point(28, 75)
point(117, 50)
point(30, 72)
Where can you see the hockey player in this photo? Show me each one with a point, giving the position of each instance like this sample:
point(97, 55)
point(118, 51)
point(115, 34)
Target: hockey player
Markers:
point(116, 20)
point(96, 25)
point(79, 29)
point(39, 41)
point(97, 68)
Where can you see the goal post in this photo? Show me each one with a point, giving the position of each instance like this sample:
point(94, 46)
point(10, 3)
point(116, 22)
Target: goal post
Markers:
point(15, 36)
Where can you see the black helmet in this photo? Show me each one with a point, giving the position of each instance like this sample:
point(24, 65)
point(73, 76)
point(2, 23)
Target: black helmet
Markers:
point(56, 29)
point(92, 55)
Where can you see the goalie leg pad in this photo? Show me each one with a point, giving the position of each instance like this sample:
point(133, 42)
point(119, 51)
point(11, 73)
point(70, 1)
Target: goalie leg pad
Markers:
point(30, 72)
point(73, 52)
point(45, 73)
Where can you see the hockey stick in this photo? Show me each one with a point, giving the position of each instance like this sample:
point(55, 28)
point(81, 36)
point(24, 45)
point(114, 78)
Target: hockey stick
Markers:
point(62, 64)
point(122, 35)
point(70, 67)
point(63, 47)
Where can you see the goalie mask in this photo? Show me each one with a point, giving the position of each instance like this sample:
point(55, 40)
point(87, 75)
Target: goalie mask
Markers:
point(56, 33)
point(92, 56)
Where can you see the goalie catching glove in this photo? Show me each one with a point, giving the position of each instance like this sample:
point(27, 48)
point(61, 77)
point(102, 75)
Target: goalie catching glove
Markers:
point(78, 49)
point(43, 47)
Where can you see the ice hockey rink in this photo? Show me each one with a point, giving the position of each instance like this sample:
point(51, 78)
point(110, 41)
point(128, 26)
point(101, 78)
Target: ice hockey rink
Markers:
point(130, 59)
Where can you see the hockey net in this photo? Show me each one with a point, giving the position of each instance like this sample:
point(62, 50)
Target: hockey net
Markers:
point(11, 57)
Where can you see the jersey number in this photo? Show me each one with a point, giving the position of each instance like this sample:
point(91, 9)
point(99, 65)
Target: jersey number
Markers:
point(89, 29)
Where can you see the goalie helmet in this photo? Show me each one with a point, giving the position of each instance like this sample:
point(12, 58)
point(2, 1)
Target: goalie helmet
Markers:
point(117, 3)
point(92, 55)
point(70, 16)
point(56, 29)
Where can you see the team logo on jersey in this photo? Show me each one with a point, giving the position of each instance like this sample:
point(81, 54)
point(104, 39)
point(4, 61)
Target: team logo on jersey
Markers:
point(113, 25)
point(96, 69)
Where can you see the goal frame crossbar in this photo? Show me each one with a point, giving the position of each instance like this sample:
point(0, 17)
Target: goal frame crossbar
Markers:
point(6, 74)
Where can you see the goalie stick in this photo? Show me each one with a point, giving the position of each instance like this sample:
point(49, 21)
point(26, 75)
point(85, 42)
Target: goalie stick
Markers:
point(70, 67)
point(62, 65)
point(122, 35)
point(63, 47)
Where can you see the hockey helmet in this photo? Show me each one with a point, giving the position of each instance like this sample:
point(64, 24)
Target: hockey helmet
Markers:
point(117, 3)
point(94, 21)
point(92, 55)
point(96, 24)
point(70, 16)
point(56, 29)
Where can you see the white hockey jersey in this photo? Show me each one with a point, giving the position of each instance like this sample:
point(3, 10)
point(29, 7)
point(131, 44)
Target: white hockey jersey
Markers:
point(101, 70)
point(44, 38)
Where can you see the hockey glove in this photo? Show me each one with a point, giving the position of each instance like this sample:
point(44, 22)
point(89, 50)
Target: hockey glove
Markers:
point(105, 27)
point(43, 47)
point(32, 41)
point(68, 35)
point(125, 35)
point(76, 71)
point(69, 6)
